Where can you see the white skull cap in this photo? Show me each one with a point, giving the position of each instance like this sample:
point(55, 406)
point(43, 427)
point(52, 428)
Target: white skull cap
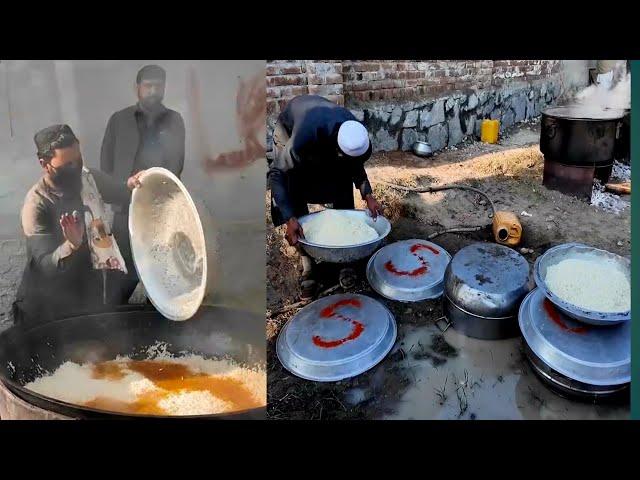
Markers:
point(353, 138)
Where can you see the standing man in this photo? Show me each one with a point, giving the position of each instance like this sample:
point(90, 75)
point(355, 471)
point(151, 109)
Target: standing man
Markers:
point(141, 136)
point(59, 277)
point(320, 150)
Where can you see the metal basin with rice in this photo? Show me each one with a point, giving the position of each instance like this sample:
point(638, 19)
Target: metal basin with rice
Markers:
point(347, 253)
point(567, 251)
point(168, 244)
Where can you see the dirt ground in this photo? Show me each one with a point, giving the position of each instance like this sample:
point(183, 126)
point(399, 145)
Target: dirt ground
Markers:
point(431, 374)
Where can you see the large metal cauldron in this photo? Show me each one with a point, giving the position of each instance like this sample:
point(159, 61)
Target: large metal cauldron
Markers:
point(213, 332)
point(580, 135)
point(623, 144)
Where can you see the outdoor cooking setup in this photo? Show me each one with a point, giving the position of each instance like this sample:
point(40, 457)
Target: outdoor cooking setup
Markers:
point(579, 144)
point(488, 292)
point(176, 279)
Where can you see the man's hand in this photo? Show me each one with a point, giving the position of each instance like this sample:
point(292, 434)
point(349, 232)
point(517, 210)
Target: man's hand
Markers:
point(294, 231)
point(373, 206)
point(72, 229)
point(134, 180)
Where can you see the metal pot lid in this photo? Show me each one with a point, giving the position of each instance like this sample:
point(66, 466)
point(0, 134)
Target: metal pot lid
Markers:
point(594, 355)
point(584, 112)
point(409, 270)
point(487, 280)
point(168, 244)
point(336, 337)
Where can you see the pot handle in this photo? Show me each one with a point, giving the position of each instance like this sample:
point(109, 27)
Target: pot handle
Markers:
point(550, 128)
point(444, 320)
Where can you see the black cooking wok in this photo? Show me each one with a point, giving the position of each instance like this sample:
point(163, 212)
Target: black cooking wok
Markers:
point(26, 354)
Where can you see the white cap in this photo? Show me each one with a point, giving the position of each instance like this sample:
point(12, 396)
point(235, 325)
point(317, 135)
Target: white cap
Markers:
point(353, 138)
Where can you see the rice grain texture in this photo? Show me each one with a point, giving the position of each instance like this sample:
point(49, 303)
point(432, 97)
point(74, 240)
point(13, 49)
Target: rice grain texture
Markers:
point(592, 285)
point(335, 229)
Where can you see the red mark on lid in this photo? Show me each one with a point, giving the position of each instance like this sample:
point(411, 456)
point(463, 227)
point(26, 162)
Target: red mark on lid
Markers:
point(421, 246)
point(330, 312)
point(555, 316)
point(390, 267)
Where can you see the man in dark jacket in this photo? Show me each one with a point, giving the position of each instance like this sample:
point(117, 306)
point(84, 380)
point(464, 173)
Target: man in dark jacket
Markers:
point(142, 136)
point(319, 154)
point(59, 279)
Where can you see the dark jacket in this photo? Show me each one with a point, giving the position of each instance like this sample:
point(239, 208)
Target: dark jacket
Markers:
point(122, 140)
point(310, 156)
point(57, 281)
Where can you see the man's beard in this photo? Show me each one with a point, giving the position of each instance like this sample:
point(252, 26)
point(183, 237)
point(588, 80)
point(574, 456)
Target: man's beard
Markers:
point(151, 104)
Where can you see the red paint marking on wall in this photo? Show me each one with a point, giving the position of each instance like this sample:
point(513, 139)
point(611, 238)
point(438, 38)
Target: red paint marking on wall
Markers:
point(330, 312)
point(555, 317)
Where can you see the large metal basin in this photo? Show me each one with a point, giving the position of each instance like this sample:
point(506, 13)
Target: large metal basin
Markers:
point(348, 253)
point(567, 251)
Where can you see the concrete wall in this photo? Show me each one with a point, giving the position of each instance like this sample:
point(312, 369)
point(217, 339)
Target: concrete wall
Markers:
point(438, 100)
point(35, 94)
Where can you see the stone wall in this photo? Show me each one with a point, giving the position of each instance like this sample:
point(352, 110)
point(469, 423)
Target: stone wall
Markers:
point(441, 101)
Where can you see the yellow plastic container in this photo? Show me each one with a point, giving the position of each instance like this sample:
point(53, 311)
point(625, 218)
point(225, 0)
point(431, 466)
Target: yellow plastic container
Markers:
point(507, 229)
point(489, 130)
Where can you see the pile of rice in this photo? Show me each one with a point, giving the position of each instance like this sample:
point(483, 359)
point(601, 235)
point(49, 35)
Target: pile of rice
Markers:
point(596, 285)
point(128, 390)
point(335, 229)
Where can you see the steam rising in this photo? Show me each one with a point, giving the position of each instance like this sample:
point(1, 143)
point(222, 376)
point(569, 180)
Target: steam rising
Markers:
point(617, 95)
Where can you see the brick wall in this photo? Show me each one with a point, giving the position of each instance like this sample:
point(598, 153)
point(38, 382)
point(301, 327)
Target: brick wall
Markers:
point(383, 92)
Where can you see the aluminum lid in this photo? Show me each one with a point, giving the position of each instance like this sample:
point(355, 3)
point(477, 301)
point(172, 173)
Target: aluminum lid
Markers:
point(336, 337)
point(409, 270)
point(168, 244)
point(594, 355)
point(487, 280)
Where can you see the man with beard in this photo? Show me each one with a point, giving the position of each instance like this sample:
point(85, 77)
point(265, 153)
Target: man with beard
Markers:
point(58, 278)
point(141, 136)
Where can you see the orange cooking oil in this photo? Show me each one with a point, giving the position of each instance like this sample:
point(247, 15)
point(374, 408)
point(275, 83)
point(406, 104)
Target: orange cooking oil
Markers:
point(170, 378)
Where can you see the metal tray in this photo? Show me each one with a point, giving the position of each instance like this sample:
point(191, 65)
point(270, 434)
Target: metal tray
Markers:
point(409, 270)
point(566, 251)
point(336, 337)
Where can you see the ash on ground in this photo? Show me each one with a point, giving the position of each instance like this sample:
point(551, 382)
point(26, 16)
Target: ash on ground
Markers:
point(608, 201)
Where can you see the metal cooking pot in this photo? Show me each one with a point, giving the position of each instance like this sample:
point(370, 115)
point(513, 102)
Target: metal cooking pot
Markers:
point(422, 149)
point(348, 253)
point(483, 286)
point(623, 143)
point(213, 332)
point(579, 135)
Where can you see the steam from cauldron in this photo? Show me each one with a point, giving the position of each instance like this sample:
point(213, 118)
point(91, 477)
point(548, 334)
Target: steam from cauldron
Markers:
point(617, 95)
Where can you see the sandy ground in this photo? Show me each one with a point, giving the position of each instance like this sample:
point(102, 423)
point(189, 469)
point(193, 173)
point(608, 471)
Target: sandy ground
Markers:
point(430, 374)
